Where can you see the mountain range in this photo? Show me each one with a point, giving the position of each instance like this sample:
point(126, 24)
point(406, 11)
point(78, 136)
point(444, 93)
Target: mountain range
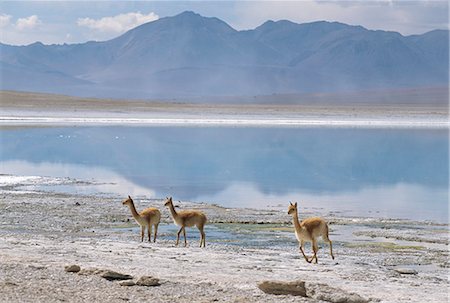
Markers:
point(189, 55)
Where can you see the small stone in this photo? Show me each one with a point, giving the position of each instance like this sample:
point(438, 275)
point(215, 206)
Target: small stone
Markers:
point(295, 288)
point(113, 275)
point(406, 271)
point(148, 281)
point(37, 267)
point(72, 268)
point(127, 283)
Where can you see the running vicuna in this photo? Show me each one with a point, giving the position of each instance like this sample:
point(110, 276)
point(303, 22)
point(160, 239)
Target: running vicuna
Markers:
point(309, 230)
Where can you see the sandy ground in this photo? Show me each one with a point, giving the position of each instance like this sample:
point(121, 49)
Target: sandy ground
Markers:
point(40, 233)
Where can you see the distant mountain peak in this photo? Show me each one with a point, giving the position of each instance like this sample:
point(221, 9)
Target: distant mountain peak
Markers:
point(190, 54)
point(188, 14)
point(269, 24)
point(192, 19)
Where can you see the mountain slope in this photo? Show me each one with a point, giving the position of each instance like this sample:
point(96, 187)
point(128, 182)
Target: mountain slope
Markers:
point(191, 55)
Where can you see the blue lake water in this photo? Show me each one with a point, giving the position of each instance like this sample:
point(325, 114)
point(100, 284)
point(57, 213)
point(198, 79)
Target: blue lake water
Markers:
point(395, 173)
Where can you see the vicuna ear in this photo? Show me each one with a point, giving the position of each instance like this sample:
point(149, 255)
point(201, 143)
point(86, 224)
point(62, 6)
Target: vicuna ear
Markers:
point(170, 199)
point(129, 197)
point(290, 203)
point(295, 204)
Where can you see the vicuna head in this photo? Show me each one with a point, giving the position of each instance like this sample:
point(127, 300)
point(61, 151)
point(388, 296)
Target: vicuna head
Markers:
point(292, 209)
point(127, 201)
point(168, 201)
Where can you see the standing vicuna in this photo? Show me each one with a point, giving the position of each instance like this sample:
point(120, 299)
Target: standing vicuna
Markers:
point(309, 230)
point(147, 218)
point(187, 218)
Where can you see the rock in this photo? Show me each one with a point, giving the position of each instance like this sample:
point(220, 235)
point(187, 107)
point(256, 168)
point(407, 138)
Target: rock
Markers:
point(37, 267)
point(406, 271)
point(91, 271)
point(316, 291)
point(148, 281)
point(127, 283)
point(8, 283)
point(327, 293)
point(113, 275)
point(295, 288)
point(72, 268)
point(105, 273)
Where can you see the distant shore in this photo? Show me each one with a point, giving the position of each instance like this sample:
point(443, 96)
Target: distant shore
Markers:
point(20, 108)
point(381, 260)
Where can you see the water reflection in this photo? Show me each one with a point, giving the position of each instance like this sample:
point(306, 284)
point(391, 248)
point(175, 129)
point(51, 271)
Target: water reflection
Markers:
point(403, 201)
point(232, 165)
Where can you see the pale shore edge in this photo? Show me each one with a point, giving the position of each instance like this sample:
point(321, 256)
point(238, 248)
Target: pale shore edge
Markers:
point(242, 122)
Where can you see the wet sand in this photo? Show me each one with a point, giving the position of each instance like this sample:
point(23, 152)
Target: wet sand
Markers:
point(41, 232)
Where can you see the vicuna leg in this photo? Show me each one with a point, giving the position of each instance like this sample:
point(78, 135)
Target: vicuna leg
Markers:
point(326, 239)
point(178, 235)
point(331, 249)
point(203, 237)
point(149, 232)
point(142, 233)
point(303, 253)
point(184, 234)
point(315, 249)
point(156, 232)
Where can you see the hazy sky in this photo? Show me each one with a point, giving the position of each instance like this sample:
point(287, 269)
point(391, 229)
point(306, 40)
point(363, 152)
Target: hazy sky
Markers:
point(25, 22)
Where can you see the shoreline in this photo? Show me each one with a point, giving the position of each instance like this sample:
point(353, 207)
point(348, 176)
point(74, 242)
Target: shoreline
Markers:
point(339, 122)
point(96, 231)
point(34, 109)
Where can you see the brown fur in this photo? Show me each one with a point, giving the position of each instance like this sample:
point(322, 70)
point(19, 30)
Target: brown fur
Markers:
point(309, 230)
point(146, 219)
point(187, 218)
point(149, 212)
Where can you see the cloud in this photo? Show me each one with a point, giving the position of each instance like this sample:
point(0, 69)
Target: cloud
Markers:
point(5, 20)
point(117, 24)
point(30, 22)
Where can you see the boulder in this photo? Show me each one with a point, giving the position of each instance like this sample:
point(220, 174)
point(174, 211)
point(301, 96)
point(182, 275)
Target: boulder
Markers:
point(148, 281)
point(72, 268)
point(105, 273)
point(127, 283)
point(327, 293)
point(295, 288)
point(113, 275)
point(315, 291)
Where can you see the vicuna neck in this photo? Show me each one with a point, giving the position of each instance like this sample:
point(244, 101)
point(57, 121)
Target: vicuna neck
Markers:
point(133, 210)
point(295, 219)
point(172, 210)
